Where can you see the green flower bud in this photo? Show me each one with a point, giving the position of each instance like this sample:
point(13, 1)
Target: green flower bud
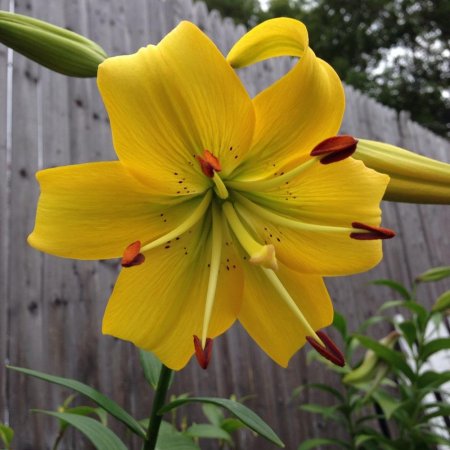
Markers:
point(56, 48)
point(371, 368)
point(434, 274)
point(413, 178)
point(442, 303)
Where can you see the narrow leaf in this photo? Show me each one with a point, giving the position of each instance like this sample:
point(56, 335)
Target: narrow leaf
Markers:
point(106, 403)
point(433, 379)
point(205, 430)
point(340, 324)
point(434, 346)
point(396, 359)
point(6, 434)
point(102, 438)
point(395, 286)
point(151, 366)
point(247, 416)
point(313, 443)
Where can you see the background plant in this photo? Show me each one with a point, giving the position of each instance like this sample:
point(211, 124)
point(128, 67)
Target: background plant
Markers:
point(384, 400)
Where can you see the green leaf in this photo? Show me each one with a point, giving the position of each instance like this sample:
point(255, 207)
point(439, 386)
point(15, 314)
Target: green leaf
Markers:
point(328, 412)
point(151, 366)
point(387, 402)
point(326, 388)
point(247, 416)
point(396, 359)
point(102, 438)
point(340, 324)
point(433, 379)
point(409, 331)
point(170, 438)
point(313, 443)
point(442, 303)
point(395, 286)
point(213, 413)
point(434, 346)
point(230, 425)
point(106, 403)
point(207, 431)
point(434, 274)
point(6, 434)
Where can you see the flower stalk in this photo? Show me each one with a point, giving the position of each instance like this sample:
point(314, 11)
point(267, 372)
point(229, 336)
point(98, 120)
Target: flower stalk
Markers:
point(158, 403)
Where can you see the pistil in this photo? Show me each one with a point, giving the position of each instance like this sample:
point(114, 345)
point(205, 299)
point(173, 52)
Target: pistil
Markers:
point(216, 248)
point(263, 255)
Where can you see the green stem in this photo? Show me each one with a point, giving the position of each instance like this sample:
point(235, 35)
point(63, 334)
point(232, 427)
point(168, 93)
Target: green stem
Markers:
point(158, 403)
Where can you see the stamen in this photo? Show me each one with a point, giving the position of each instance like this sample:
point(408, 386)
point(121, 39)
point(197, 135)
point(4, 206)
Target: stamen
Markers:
point(244, 203)
point(327, 348)
point(263, 255)
point(216, 248)
point(370, 232)
point(209, 163)
point(203, 353)
point(196, 215)
point(335, 148)
point(290, 303)
point(132, 256)
point(271, 183)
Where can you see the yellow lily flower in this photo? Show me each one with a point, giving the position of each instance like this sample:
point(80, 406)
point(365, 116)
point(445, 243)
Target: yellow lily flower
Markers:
point(216, 205)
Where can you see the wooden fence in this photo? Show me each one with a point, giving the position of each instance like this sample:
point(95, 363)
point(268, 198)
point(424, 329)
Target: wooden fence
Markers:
point(51, 309)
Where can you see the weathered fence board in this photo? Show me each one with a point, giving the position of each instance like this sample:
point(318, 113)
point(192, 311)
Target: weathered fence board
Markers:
point(51, 309)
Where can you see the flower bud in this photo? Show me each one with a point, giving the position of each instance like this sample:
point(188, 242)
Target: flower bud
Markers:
point(434, 274)
point(371, 365)
point(56, 48)
point(413, 178)
point(442, 303)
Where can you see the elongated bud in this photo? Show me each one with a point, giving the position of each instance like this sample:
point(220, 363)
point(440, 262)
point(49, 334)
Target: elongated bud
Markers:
point(335, 149)
point(442, 303)
point(330, 351)
point(132, 256)
point(413, 178)
point(54, 47)
point(434, 274)
point(371, 364)
point(370, 233)
point(203, 354)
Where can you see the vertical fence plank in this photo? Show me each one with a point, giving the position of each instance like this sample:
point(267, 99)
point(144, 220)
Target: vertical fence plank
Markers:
point(4, 213)
point(25, 264)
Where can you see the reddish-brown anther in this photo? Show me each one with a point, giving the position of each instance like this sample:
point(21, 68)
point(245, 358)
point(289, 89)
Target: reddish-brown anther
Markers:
point(209, 163)
point(335, 148)
point(371, 232)
point(330, 351)
point(131, 256)
point(203, 354)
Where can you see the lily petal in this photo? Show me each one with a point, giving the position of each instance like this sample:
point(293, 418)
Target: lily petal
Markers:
point(95, 210)
point(271, 323)
point(324, 200)
point(170, 102)
point(159, 305)
point(297, 112)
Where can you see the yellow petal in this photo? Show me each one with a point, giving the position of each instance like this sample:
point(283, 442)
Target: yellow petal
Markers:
point(159, 305)
point(95, 210)
point(331, 196)
point(270, 322)
point(297, 112)
point(170, 102)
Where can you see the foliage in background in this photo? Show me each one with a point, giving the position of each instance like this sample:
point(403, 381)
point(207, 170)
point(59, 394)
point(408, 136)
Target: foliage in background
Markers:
point(93, 421)
point(397, 51)
point(383, 403)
